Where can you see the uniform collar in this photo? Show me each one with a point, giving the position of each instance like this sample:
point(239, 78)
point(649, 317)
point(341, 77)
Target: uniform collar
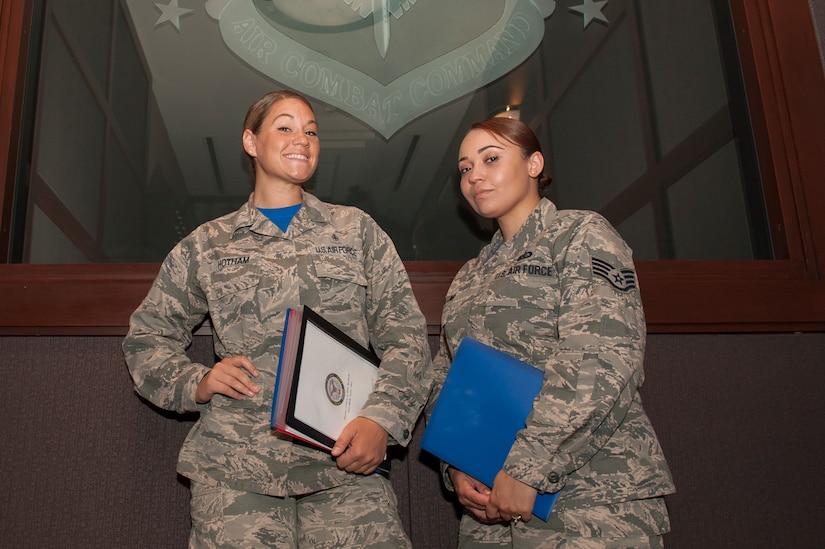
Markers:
point(539, 219)
point(249, 218)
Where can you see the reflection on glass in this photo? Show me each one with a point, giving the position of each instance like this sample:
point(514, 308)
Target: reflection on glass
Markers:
point(137, 140)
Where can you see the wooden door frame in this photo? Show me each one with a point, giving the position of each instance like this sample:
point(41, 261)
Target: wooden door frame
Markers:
point(783, 71)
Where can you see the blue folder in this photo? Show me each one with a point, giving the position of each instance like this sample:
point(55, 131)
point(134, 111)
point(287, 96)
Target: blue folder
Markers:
point(485, 400)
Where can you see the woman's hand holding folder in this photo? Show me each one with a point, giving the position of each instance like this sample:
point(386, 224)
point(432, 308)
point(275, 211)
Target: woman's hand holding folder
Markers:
point(361, 447)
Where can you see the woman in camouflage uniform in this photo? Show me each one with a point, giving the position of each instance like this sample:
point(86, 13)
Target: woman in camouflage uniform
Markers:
point(556, 289)
point(284, 248)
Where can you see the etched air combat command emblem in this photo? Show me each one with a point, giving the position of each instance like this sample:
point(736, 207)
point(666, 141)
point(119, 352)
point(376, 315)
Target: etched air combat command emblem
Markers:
point(386, 76)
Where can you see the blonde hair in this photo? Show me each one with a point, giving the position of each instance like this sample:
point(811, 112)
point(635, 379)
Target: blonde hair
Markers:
point(257, 112)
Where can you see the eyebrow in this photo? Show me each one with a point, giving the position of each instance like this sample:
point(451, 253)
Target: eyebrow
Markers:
point(482, 149)
point(277, 116)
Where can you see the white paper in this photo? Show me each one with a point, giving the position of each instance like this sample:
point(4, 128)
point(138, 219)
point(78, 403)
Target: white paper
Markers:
point(334, 383)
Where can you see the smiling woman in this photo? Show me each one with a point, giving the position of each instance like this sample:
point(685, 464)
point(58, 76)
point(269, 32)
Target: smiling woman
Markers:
point(281, 138)
point(113, 163)
point(244, 271)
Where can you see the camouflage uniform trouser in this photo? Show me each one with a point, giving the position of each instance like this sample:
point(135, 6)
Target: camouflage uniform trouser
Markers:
point(635, 524)
point(362, 514)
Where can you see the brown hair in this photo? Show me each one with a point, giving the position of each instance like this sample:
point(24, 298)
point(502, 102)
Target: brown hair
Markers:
point(257, 112)
point(519, 134)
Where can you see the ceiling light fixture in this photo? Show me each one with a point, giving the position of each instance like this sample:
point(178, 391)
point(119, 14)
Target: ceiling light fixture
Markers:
point(509, 111)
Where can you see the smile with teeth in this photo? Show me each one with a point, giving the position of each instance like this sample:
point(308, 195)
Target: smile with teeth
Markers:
point(297, 156)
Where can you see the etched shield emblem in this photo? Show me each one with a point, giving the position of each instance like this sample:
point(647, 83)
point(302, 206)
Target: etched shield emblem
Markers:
point(385, 62)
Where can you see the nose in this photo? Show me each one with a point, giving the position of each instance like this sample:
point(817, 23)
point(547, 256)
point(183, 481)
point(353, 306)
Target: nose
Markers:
point(475, 174)
point(300, 139)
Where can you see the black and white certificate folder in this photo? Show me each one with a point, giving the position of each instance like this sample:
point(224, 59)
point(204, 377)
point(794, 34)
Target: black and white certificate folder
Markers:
point(324, 379)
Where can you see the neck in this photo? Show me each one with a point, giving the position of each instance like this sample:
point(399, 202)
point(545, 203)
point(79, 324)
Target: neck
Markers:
point(511, 222)
point(281, 196)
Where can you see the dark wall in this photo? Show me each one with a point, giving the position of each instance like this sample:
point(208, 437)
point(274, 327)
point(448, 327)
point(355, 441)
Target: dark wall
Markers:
point(85, 463)
point(741, 419)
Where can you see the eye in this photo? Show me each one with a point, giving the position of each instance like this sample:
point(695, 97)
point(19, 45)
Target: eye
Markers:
point(311, 133)
point(491, 159)
point(463, 169)
point(284, 129)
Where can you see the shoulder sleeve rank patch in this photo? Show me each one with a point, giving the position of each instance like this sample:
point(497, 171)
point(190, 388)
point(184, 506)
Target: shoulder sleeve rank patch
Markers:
point(621, 279)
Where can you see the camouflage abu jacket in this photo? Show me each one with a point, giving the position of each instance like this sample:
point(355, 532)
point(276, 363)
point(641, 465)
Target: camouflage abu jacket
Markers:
point(562, 295)
point(244, 273)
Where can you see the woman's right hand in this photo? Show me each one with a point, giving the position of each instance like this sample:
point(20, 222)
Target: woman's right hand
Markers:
point(229, 377)
point(472, 494)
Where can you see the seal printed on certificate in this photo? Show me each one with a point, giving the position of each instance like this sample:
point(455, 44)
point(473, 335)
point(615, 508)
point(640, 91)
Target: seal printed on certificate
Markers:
point(335, 389)
point(324, 379)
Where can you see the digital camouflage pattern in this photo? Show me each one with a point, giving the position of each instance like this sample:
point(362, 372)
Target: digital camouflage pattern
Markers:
point(333, 518)
point(629, 525)
point(562, 295)
point(244, 273)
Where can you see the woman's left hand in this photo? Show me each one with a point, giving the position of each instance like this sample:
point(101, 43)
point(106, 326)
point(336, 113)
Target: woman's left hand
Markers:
point(361, 447)
point(511, 499)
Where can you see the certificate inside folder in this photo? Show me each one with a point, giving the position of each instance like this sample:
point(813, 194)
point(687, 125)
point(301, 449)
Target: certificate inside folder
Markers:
point(485, 400)
point(324, 379)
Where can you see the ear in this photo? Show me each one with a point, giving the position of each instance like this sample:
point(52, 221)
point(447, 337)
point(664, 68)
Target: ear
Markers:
point(250, 143)
point(535, 164)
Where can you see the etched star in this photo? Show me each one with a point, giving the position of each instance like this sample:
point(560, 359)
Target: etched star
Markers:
point(591, 10)
point(171, 13)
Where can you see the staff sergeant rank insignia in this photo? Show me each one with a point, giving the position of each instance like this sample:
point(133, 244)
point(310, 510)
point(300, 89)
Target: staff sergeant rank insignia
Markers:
point(621, 279)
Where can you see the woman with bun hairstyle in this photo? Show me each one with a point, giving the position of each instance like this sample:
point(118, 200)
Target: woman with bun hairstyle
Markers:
point(284, 248)
point(558, 290)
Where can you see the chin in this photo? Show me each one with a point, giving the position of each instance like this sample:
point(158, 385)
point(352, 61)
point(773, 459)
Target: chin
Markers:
point(484, 212)
point(300, 178)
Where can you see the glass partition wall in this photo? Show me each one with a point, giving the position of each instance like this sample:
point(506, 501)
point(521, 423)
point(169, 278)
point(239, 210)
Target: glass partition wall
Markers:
point(695, 127)
point(138, 106)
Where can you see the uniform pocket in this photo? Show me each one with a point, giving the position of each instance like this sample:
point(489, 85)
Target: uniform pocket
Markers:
point(224, 286)
point(206, 512)
point(234, 310)
point(524, 304)
point(342, 283)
